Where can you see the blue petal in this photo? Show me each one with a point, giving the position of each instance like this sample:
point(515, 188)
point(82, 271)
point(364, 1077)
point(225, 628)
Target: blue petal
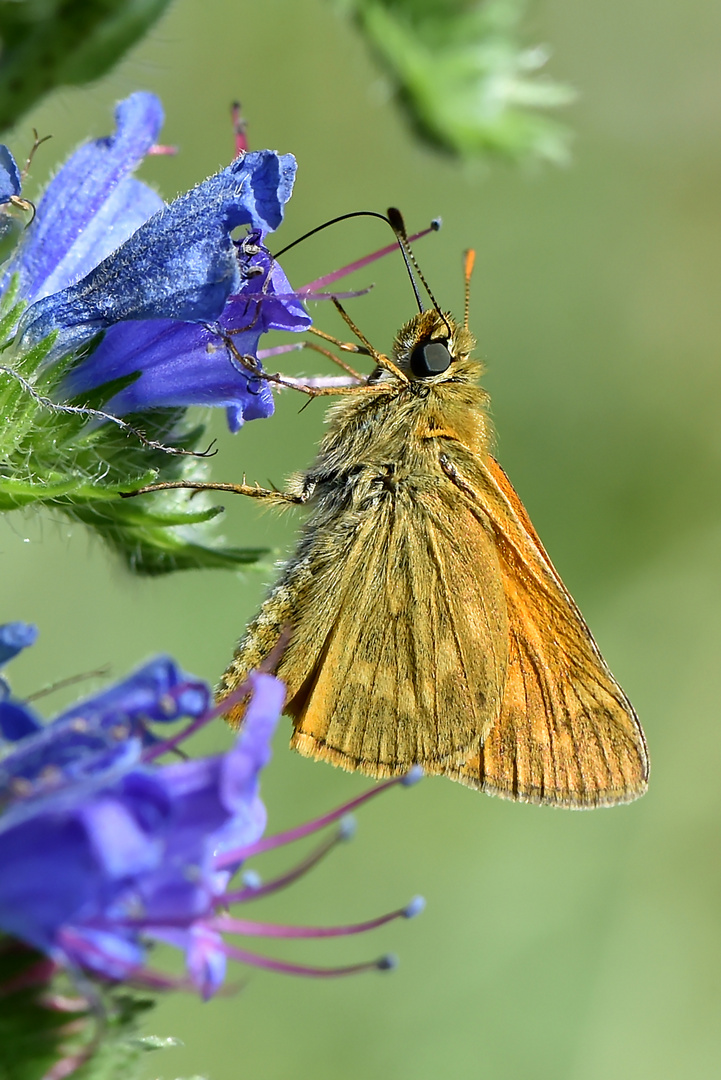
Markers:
point(115, 954)
point(64, 766)
point(127, 208)
point(14, 637)
point(252, 751)
point(184, 363)
point(194, 790)
point(91, 206)
point(158, 691)
point(181, 264)
point(17, 721)
point(43, 850)
point(205, 960)
point(118, 843)
point(9, 175)
point(180, 363)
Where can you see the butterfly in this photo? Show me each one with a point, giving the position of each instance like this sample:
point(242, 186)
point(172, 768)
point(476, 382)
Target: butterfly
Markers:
point(425, 622)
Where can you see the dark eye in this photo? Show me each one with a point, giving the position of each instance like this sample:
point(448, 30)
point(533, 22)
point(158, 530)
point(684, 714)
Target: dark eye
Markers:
point(430, 358)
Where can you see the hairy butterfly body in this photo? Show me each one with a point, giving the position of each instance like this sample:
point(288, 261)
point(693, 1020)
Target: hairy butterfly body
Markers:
point(426, 623)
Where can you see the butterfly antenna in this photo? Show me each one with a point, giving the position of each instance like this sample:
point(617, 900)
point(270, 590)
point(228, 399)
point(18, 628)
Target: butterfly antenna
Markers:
point(380, 359)
point(396, 222)
point(399, 228)
point(469, 259)
point(327, 224)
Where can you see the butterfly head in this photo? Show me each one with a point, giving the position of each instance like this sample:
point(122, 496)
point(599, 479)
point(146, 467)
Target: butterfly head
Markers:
point(433, 348)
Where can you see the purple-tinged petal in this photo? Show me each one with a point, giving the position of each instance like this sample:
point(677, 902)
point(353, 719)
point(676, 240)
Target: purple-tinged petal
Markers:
point(181, 364)
point(193, 788)
point(64, 232)
point(144, 793)
point(128, 207)
point(116, 955)
point(166, 896)
point(17, 721)
point(239, 780)
point(205, 960)
point(266, 300)
point(10, 183)
point(252, 751)
point(181, 264)
point(14, 637)
point(154, 692)
point(120, 846)
point(34, 853)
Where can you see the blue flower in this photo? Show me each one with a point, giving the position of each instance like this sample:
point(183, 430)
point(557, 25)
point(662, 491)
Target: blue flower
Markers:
point(10, 183)
point(91, 205)
point(14, 637)
point(103, 851)
point(167, 285)
point(184, 363)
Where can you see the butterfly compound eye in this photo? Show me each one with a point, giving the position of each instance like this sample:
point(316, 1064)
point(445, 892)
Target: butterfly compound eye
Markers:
point(430, 358)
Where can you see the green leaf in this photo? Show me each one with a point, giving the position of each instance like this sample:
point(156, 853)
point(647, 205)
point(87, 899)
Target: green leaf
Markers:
point(49, 43)
point(156, 542)
point(63, 457)
point(465, 80)
point(31, 1034)
point(46, 1019)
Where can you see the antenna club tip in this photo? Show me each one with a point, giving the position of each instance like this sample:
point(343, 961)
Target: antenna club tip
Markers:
point(389, 962)
point(415, 907)
point(395, 218)
point(347, 827)
point(436, 224)
point(252, 880)
point(413, 776)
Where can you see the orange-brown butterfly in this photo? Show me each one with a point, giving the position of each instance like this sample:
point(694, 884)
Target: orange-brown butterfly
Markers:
point(427, 625)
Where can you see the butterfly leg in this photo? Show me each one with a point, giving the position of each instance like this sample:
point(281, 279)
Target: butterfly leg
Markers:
point(335, 359)
point(253, 491)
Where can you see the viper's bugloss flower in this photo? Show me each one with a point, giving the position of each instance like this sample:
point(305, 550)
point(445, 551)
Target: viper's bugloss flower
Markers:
point(10, 183)
point(167, 285)
point(208, 373)
point(103, 851)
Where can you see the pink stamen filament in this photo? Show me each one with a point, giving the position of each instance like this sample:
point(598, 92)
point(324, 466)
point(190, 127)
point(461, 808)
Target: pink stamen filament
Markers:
point(302, 295)
point(328, 279)
point(279, 350)
point(280, 882)
point(267, 963)
point(168, 745)
point(226, 924)
point(268, 843)
point(239, 129)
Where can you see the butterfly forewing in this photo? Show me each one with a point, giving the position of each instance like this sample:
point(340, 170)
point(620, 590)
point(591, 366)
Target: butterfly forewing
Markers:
point(399, 663)
point(409, 670)
point(567, 734)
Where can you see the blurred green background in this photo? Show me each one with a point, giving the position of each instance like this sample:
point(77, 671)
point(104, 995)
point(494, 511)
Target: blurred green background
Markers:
point(555, 945)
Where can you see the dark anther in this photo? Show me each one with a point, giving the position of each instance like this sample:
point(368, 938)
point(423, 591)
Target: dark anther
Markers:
point(430, 358)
